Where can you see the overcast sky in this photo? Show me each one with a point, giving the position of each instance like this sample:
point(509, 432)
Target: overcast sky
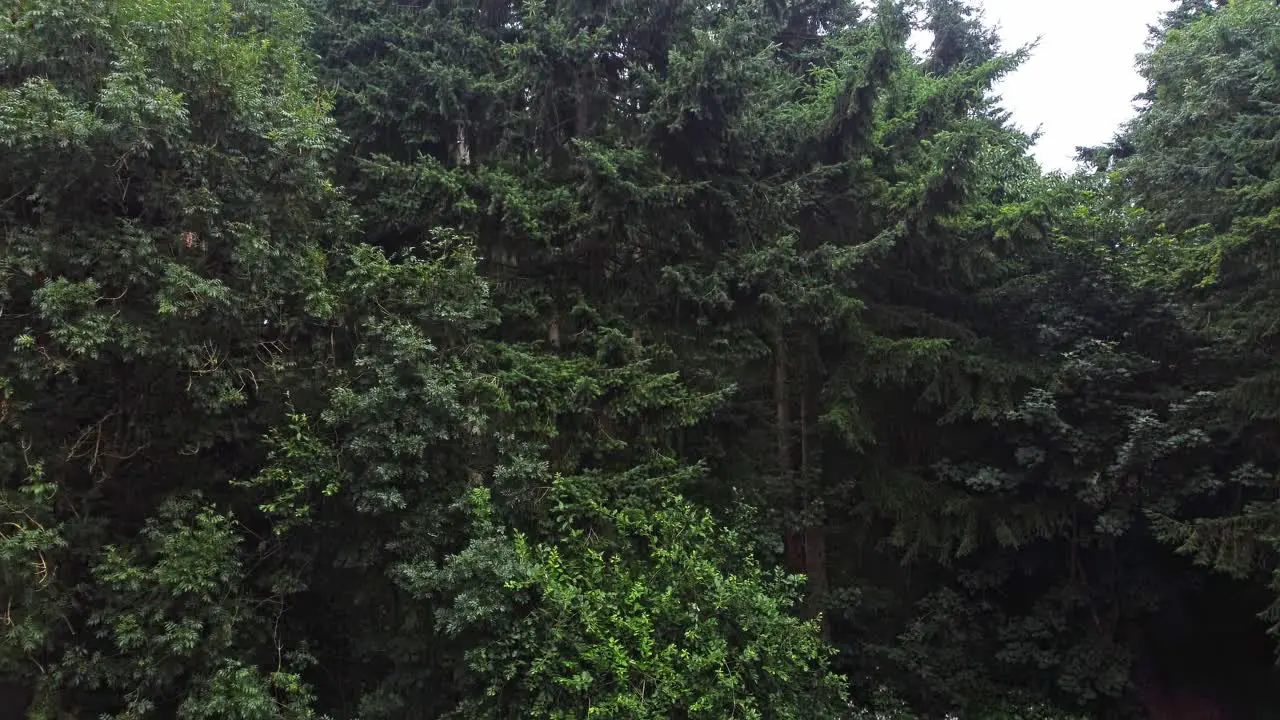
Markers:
point(1079, 84)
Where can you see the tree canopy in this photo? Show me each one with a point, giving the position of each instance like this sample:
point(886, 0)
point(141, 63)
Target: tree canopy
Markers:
point(635, 359)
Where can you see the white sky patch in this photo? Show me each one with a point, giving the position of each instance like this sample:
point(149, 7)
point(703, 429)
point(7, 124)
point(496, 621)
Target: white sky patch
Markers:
point(1078, 86)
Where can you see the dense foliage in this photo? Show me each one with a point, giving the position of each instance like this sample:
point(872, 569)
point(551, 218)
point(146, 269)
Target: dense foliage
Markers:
point(636, 359)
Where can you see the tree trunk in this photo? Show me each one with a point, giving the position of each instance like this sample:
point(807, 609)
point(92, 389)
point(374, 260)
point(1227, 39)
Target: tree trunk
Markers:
point(806, 544)
point(582, 120)
point(815, 538)
point(794, 541)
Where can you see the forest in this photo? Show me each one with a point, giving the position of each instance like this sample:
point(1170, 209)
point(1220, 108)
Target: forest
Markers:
point(629, 359)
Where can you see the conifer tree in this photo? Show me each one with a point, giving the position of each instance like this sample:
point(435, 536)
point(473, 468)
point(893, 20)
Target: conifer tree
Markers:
point(636, 359)
point(165, 208)
point(1205, 173)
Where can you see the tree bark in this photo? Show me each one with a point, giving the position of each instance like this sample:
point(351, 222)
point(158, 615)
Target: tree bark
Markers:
point(582, 119)
point(794, 540)
point(805, 543)
point(815, 537)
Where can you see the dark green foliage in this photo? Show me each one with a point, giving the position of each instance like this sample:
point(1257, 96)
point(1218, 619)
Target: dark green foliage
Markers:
point(640, 359)
point(1206, 169)
point(160, 261)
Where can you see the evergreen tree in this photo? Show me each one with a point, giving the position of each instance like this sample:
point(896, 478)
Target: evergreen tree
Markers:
point(642, 359)
point(238, 441)
point(1205, 172)
point(166, 206)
